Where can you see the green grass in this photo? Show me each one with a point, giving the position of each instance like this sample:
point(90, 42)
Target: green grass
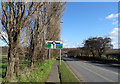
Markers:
point(3, 56)
point(3, 68)
point(24, 63)
point(3, 65)
point(40, 74)
point(66, 74)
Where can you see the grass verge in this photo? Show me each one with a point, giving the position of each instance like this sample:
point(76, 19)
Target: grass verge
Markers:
point(39, 74)
point(66, 74)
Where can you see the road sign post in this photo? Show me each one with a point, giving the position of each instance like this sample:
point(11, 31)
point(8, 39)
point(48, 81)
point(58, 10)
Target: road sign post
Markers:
point(60, 56)
point(54, 45)
point(49, 56)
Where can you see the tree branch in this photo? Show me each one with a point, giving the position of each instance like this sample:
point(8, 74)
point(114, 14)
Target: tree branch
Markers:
point(4, 38)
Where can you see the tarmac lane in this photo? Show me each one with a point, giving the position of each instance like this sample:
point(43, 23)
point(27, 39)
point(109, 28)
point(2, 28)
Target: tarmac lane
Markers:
point(92, 72)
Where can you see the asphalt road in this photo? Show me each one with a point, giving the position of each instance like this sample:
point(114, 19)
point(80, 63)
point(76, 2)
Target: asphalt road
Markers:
point(92, 72)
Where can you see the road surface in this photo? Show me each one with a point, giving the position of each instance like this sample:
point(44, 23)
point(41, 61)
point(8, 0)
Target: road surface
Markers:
point(92, 72)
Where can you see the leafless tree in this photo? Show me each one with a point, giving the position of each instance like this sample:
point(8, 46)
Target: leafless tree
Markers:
point(14, 17)
point(26, 26)
point(47, 27)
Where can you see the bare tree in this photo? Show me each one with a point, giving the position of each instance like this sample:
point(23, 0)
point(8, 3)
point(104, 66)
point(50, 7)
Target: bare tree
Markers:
point(14, 17)
point(26, 26)
point(47, 28)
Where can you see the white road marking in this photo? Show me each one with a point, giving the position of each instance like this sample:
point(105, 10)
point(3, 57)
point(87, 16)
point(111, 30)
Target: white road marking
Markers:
point(103, 69)
point(109, 80)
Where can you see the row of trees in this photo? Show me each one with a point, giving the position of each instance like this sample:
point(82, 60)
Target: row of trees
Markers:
point(95, 46)
point(25, 27)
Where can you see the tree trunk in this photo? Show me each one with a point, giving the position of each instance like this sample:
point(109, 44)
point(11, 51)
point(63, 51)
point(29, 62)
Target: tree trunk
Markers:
point(16, 65)
point(100, 55)
point(12, 55)
point(32, 61)
point(107, 56)
point(33, 58)
point(93, 54)
point(11, 63)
